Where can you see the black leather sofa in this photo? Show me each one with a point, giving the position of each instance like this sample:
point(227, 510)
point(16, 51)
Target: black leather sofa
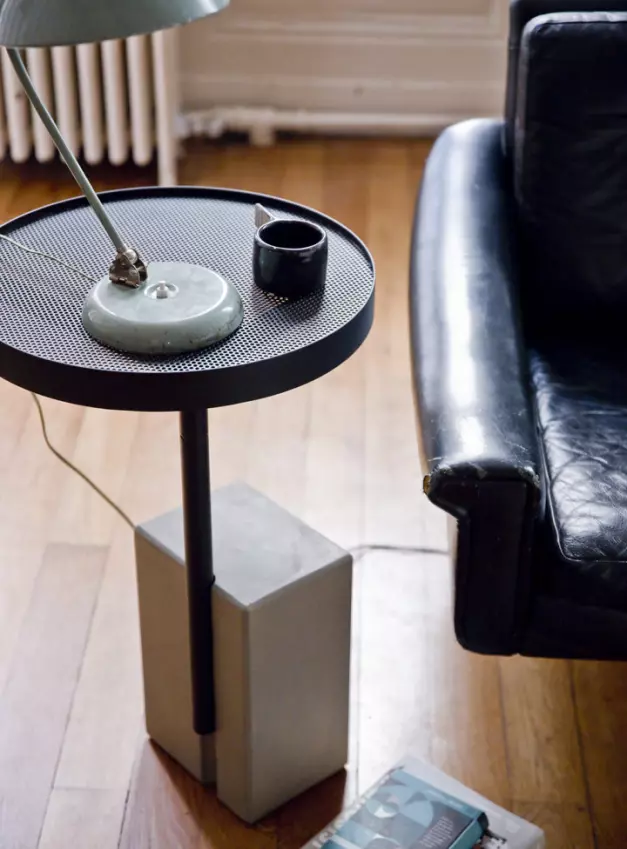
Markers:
point(519, 332)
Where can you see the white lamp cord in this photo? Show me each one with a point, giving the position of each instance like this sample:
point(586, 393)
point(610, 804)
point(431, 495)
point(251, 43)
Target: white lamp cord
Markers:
point(45, 255)
point(357, 552)
point(75, 469)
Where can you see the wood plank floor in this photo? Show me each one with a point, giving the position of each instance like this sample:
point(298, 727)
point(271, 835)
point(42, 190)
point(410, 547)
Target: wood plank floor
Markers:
point(548, 738)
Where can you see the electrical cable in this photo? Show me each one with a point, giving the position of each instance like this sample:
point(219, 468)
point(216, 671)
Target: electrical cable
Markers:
point(76, 470)
point(358, 551)
point(361, 550)
point(45, 255)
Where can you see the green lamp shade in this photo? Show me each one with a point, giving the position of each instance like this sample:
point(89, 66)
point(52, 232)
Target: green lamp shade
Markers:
point(47, 23)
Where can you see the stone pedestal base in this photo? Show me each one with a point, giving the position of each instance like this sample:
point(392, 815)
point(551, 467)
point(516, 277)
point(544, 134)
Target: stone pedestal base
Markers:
point(282, 625)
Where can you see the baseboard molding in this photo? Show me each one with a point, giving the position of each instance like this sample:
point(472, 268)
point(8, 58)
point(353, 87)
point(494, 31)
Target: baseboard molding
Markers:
point(262, 125)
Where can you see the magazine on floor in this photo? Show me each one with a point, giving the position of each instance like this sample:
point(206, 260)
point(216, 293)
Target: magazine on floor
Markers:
point(416, 806)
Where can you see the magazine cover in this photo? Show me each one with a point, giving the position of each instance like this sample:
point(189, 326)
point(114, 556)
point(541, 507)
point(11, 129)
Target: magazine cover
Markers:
point(415, 806)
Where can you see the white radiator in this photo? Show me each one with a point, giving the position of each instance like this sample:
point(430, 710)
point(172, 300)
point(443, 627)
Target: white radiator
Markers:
point(114, 102)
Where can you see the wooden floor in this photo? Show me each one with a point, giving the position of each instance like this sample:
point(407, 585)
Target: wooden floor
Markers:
point(76, 771)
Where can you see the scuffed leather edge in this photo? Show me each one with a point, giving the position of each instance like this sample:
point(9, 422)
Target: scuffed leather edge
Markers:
point(463, 249)
point(494, 493)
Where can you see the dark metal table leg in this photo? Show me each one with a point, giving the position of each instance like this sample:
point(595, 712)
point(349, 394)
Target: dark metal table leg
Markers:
point(199, 563)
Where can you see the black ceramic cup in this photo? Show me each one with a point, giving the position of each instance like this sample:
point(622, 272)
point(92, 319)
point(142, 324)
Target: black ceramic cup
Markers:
point(290, 257)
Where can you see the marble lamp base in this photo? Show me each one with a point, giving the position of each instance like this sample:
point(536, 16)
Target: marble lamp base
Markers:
point(282, 626)
point(180, 308)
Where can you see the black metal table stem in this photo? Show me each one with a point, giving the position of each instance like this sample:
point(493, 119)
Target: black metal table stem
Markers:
point(199, 563)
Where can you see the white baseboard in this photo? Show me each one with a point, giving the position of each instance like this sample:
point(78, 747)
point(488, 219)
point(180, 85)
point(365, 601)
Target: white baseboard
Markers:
point(262, 125)
point(406, 67)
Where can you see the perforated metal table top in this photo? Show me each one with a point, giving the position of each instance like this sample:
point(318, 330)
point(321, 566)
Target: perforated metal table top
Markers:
point(280, 345)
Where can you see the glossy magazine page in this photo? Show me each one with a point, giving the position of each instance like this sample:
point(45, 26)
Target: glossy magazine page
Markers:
point(415, 806)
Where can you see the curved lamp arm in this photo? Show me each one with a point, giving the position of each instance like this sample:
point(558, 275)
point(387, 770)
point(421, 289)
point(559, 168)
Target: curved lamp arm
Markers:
point(127, 268)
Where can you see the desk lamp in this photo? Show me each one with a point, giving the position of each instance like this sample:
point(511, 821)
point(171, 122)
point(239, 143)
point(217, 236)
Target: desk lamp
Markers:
point(138, 307)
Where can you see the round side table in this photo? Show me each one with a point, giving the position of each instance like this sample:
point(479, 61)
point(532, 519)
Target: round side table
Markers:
point(281, 344)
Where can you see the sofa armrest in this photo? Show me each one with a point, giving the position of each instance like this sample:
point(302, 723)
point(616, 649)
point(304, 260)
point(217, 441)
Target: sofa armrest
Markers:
point(478, 432)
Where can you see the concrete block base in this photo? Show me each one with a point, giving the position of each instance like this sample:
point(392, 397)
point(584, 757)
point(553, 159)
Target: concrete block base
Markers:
point(282, 625)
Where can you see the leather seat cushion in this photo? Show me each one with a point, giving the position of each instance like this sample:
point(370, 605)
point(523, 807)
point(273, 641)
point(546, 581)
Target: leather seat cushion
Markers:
point(581, 407)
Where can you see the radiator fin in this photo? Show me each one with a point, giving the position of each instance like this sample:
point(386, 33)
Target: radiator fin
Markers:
point(102, 96)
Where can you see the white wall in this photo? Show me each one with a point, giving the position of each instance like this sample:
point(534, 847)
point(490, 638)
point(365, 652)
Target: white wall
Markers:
point(439, 60)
